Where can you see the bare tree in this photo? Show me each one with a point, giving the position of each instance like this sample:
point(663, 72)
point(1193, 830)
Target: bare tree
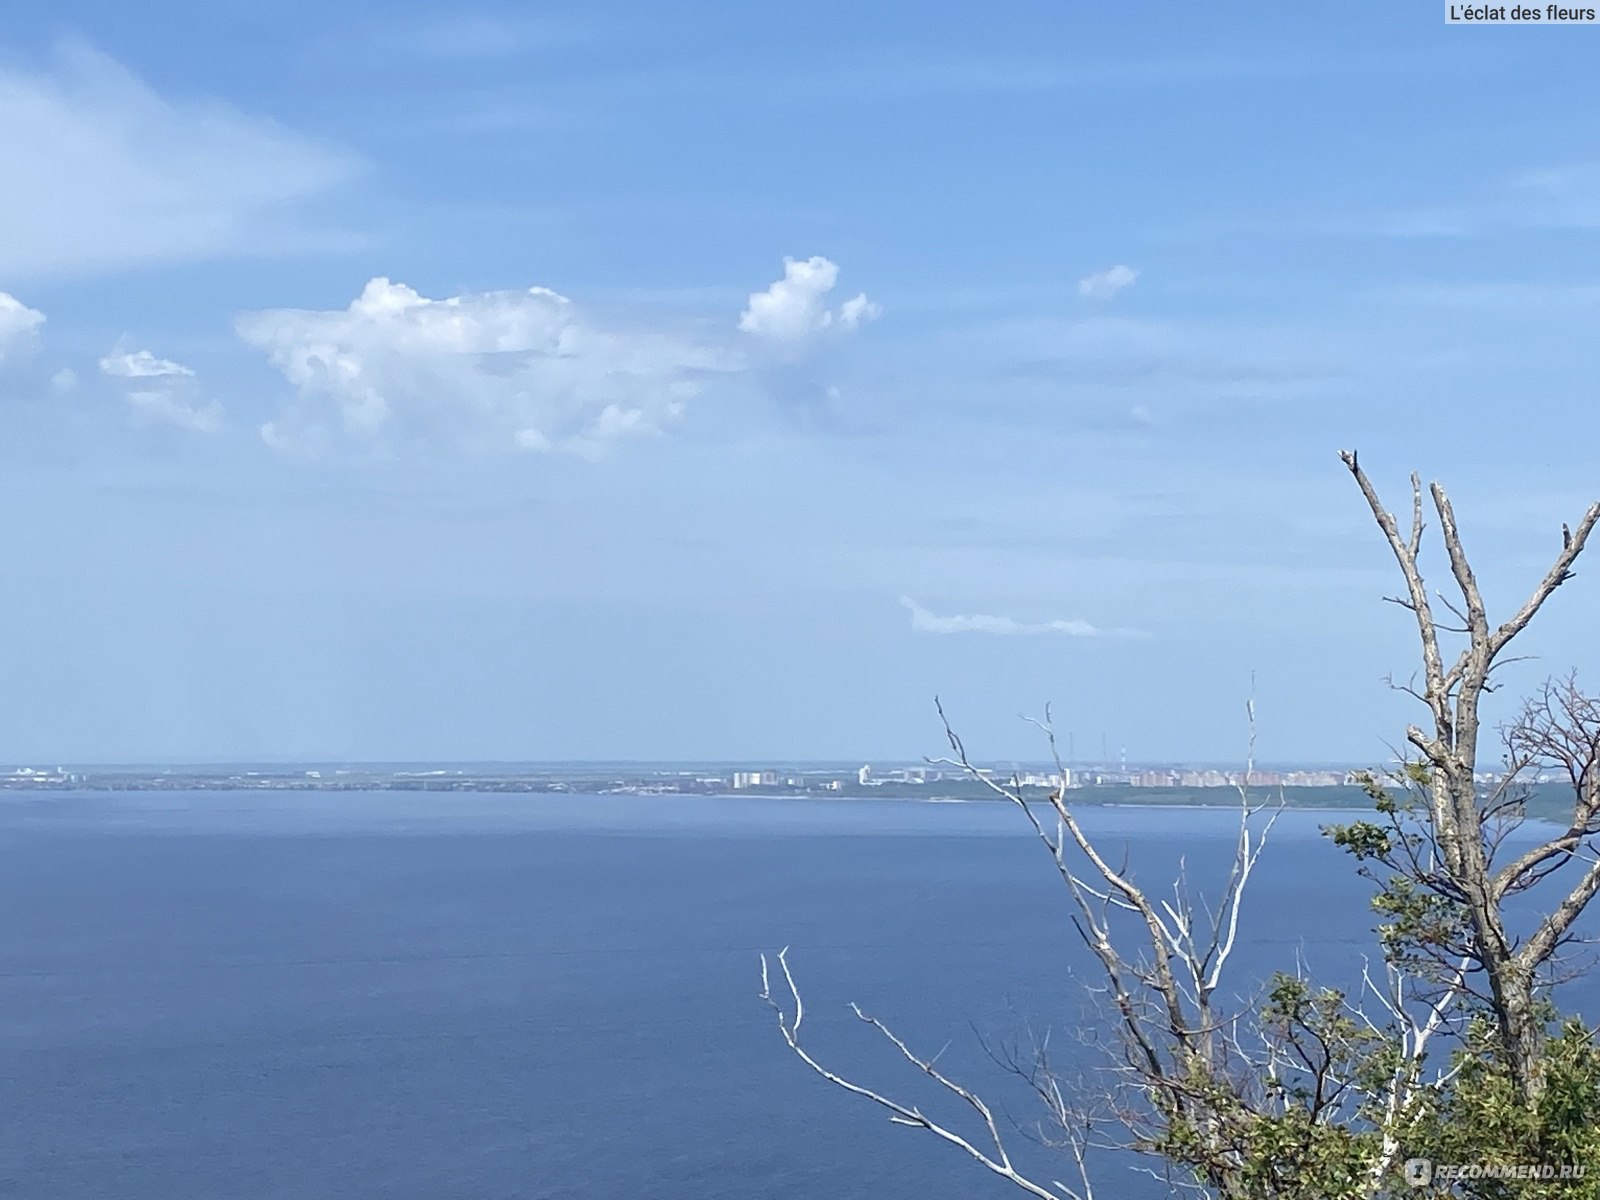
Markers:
point(1450, 856)
point(1238, 1097)
point(1301, 1090)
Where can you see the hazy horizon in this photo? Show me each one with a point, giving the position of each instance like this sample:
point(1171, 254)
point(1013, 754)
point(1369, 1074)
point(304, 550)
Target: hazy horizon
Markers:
point(666, 764)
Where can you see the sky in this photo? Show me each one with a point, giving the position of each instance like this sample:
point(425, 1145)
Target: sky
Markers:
point(723, 381)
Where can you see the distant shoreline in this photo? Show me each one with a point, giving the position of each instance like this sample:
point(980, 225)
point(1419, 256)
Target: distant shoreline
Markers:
point(1544, 802)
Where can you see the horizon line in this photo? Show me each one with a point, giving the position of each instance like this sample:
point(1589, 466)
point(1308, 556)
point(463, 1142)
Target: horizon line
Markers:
point(851, 763)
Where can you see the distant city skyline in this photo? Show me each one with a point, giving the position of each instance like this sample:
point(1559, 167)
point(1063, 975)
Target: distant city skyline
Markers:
point(393, 383)
point(882, 767)
point(792, 778)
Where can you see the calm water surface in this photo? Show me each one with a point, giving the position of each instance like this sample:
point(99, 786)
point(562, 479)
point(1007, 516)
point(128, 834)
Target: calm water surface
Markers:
point(241, 995)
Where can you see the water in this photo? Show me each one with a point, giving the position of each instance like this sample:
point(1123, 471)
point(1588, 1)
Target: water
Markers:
point(300, 996)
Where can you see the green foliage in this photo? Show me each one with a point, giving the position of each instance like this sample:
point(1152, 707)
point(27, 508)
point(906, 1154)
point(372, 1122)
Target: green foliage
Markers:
point(1304, 1130)
point(1314, 1121)
point(1362, 839)
point(1481, 1120)
point(1316, 1130)
point(1267, 1155)
point(1422, 921)
point(1478, 1117)
point(1419, 926)
point(1294, 1158)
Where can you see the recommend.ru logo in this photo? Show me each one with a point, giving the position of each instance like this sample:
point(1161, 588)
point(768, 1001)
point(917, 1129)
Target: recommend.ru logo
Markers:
point(1421, 1172)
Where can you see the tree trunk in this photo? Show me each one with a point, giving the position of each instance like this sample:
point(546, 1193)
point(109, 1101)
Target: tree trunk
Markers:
point(1522, 1035)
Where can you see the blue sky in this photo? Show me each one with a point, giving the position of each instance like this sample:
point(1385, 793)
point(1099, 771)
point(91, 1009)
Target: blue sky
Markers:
point(722, 381)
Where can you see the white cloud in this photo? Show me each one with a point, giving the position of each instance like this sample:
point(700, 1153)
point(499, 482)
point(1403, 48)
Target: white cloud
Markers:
point(63, 381)
point(481, 371)
point(1102, 285)
point(858, 311)
point(19, 326)
point(101, 173)
point(166, 392)
point(924, 621)
point(141, 364)
point(795, 308)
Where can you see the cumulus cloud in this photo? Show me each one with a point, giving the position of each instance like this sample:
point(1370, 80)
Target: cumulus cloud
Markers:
point(101, 172)
point(160, 391)
point(479, 370)
point(1102, 285)
point(795, 308)
point(924, 621)
point(19, 326)
point(858, 311)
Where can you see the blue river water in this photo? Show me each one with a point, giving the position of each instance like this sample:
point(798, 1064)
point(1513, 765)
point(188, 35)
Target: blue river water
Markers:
point(299, 996)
